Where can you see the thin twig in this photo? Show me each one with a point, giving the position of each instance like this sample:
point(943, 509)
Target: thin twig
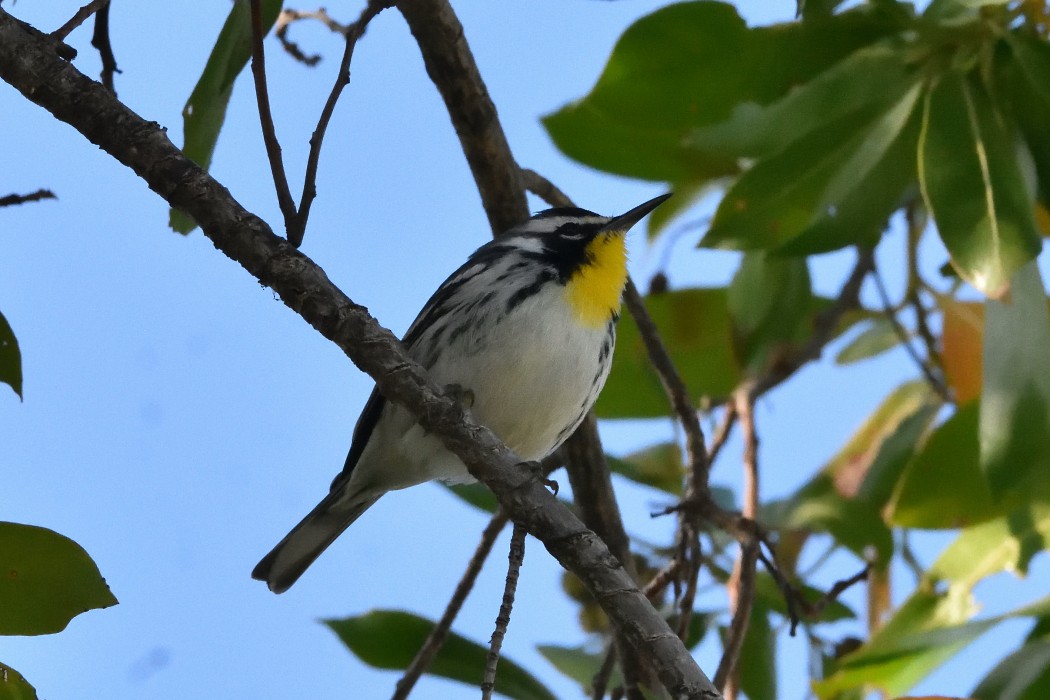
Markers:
point(745, 596)
point(824, 326)
point(100, 40)
point(935, 382)
point(13, 199)
point(817, 607)
point(439, 634)
point(600, 682)
point(722, 432)
point(516, 556)
point(78, 19)
point(289, 16)
point(544, 189)
point(262, 98)
point(297, 228)
point(742, 583)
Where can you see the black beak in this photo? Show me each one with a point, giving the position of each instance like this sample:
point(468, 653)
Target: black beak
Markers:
point(624, 222)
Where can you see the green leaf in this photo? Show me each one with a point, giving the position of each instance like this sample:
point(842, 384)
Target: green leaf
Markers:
point(389, 639)
point(10, 358)
point(822, 180)
point(942, 486)
point(1015, 405)
point(896, 450)
point(659, 466)
point(476, 494)
point(1022, 675)
point(958, 12)
point(205, 111)
point(925, 632)
point(872, 75)
point(769, 301)
point(578, 664)
point(686, 66)
point(1026, 77)
point(1003, 544)
point(877, 338)
point(13, 686)
point(45, 581)
point(758, 676)
point(696, 328)
point(852, 465)
point(972, 184)
point(857, 525)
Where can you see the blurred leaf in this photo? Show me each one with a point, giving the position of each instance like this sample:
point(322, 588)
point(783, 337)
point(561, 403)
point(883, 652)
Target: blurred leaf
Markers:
point(849, 467)
point(205, 111)
point(821, 178)
point(47, 580)
point(686, 66)
point(894, 454)
point(1015, 406)
point(1022, 675)
point(758, 675)
point(476, 494)
point(771, 598)
point(927, 630)
point(13, 686)
point(816, 8)
point(854, 524)
point(870, 75)
point(963, 341)
point(578, 664)
point(1026, 74)
point(1003, 544)
point(10, 358)
point(389, 639)
point(877, 338)
point(769, 300)
point(942, 486)
point(956, 12)
point(696, 328)
point(972, 184)
point(659, 466)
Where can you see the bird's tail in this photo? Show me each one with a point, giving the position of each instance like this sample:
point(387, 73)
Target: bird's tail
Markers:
point(293, 555)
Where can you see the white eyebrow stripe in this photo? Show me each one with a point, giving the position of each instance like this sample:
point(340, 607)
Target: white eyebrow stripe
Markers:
point(549, 224)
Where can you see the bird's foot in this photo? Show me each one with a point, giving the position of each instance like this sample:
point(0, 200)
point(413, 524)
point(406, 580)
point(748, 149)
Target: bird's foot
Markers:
point(461, 395)
point(535, 468)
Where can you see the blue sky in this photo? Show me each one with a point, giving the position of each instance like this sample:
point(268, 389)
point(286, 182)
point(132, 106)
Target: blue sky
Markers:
point(178, 419)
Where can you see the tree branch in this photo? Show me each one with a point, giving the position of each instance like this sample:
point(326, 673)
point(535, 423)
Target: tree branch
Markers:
point(515, 557)
point(262, 99)
point(78, 18)
point(29, 63)
point(100, 40)
point(451, 66)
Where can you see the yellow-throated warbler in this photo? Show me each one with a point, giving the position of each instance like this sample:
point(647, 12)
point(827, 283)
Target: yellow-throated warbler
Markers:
point(527, 327)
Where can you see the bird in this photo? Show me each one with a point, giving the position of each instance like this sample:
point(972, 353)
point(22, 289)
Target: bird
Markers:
point(523, 333)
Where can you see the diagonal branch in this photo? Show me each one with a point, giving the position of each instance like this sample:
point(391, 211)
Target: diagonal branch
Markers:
point(29, 63)
point(451, 66)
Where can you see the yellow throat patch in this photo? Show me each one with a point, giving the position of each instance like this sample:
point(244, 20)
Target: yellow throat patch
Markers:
point(595, 290)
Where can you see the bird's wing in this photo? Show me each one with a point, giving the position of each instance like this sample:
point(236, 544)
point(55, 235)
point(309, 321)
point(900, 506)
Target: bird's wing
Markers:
point(436, 307)
point(362, 432)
